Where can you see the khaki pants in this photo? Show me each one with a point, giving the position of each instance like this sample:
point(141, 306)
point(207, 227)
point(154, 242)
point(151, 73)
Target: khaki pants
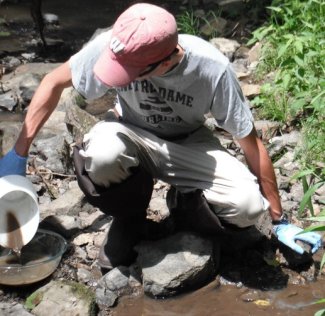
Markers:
point(198, 161)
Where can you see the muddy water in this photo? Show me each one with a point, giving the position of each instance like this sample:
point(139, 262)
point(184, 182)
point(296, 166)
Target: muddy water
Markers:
point(229, 300)
point(15, 240)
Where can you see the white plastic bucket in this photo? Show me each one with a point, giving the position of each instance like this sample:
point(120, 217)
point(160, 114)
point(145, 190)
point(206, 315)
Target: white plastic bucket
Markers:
point(19, 211)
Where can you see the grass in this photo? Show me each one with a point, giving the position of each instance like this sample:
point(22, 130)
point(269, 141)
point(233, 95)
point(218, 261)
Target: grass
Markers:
point(203, 26)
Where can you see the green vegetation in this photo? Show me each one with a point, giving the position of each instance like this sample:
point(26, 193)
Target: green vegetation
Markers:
point(293, 61)
point(188, 23)
point(294, 54)
point(204, 26)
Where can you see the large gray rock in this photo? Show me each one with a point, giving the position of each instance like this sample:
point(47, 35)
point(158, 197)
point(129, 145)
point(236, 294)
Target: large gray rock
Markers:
point(54, 154)
point(178, 263)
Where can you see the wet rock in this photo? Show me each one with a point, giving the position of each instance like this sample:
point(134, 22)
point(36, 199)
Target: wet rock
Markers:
point(174, 264)
point(63, 298)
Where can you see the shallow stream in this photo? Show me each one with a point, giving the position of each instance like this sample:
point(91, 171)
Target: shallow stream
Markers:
point(228, 300)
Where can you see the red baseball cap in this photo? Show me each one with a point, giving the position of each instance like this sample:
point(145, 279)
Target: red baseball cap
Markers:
point(142, 35)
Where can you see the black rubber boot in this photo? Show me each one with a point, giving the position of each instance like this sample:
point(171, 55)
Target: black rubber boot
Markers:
point(192, 212)
point(127, 202)
point(117, 247)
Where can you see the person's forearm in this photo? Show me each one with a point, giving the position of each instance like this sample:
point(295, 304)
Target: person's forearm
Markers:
point(41, 107)
point(263, 169)
point(261, 166)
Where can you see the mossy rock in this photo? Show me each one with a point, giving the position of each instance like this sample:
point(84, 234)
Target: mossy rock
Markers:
point(63, 298)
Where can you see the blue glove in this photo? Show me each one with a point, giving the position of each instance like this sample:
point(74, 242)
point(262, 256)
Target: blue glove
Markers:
point(288, 234)
point(12, 163)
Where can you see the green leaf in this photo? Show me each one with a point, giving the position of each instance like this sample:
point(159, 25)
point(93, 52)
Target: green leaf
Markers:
point(308, 25)
point(298, 105)
point(299, 46)
point(317, 228)
point(286, 80)
point(276, 9)
point(284, 48)
point(302, 174)
point(317, 96)
point(301, 73)
point(320, 313)
point(307, 198)
point(322, 300)
point(299, 61)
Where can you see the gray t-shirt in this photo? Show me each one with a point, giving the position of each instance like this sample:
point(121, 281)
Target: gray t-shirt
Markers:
point(177, 102)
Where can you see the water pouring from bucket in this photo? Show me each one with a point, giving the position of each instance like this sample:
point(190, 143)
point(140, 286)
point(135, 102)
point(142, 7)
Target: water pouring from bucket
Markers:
point(19, 212)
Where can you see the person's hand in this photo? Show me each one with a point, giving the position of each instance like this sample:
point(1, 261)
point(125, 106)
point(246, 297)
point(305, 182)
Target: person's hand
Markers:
point(288, 234)
point(12, 163)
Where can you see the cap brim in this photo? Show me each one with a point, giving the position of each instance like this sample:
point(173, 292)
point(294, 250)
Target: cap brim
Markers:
point(112, 73)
